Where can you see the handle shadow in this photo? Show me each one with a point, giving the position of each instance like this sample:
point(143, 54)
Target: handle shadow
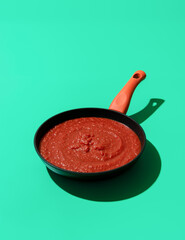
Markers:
point(145, 113)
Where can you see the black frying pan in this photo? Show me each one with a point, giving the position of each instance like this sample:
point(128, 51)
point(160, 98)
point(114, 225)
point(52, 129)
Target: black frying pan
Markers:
point(115, 112)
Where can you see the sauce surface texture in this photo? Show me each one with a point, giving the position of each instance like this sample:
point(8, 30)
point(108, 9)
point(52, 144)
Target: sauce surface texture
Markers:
point(90, 145)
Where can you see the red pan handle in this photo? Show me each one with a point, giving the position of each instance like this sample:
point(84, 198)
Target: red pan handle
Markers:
point(122, 100)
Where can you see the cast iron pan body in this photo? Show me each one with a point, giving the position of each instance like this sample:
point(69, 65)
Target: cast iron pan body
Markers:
point(91, 112)
point(88, 112)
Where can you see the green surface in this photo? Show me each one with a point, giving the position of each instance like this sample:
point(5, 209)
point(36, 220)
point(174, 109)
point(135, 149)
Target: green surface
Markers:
point(60, 55)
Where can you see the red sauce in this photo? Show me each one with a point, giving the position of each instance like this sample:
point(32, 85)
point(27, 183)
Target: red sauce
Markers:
point(90, 145)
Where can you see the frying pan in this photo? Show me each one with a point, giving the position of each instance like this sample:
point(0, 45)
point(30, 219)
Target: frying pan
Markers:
point(116, 111)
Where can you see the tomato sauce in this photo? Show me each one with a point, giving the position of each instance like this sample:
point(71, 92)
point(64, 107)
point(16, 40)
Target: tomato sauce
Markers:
point(90, 145)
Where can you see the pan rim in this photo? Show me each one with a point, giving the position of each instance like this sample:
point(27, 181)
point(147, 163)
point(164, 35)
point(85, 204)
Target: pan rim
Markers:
point(69, 173)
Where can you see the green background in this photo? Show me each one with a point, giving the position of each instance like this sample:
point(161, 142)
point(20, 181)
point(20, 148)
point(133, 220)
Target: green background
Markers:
point(61, 55)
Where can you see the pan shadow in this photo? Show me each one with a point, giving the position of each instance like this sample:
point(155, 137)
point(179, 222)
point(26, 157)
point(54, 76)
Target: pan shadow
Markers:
point(130, 183)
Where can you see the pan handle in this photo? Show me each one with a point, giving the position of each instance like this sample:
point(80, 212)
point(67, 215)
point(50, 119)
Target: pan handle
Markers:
point(122, 100)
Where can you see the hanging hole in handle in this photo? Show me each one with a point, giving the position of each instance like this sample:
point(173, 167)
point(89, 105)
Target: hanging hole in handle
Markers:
point(136, 75)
